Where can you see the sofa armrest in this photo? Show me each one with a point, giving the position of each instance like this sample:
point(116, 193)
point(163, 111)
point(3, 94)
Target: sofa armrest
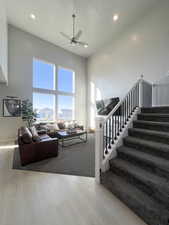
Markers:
point(46, 143)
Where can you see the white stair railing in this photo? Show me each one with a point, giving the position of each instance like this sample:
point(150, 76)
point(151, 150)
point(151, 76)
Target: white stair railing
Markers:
point(110, 128)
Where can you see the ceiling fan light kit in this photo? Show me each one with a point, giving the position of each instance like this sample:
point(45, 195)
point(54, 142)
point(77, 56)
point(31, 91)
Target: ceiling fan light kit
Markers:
point(74, 40)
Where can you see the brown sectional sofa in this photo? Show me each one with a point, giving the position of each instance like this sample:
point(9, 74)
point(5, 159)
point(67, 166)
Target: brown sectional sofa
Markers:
point(35, 147)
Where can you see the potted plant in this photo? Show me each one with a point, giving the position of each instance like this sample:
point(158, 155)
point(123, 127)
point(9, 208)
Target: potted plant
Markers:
point(28, 113)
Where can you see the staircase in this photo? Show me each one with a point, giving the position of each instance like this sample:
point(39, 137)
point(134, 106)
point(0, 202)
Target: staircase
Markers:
point(139, 176)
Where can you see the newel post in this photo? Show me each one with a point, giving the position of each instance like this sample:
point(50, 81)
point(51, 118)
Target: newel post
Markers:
point(141, 92)
point(99, 149)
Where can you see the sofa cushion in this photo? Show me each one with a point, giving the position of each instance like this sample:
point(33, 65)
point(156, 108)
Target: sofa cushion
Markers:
point(35, 136)
point(43, 126)
point(26, 135)
point(44, 137)
point(56, 126)
point(52, 127)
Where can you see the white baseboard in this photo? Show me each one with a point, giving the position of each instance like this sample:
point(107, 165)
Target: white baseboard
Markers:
point(7, 140)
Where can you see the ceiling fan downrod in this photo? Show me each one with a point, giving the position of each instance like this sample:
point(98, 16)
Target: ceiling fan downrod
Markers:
point(74, 17)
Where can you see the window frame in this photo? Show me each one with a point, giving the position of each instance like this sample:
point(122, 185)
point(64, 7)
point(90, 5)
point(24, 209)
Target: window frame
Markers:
point(56, 91)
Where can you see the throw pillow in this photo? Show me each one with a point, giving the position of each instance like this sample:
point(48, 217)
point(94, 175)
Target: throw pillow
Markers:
point(56, 126)
point(26, 135)
point(61, 125)
point(35, 136)
point(43, 126)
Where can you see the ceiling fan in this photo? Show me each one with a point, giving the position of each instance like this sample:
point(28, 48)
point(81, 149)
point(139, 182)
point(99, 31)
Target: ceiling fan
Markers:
point(74, 41)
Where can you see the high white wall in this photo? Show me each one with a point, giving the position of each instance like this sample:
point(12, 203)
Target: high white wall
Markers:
point(9, 127)
point(142, 49)
point(3, 43)
point(22, 48)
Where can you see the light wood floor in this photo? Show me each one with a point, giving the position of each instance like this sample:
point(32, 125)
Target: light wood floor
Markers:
point(33, 198)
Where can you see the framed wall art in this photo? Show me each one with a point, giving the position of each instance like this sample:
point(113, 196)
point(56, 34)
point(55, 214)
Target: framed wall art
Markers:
point(11, 107)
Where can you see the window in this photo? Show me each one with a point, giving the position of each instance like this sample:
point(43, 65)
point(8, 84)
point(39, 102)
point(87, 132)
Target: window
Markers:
point(53, 91)
point(65, 80)
point(66, 94)
point(44, 105)
point(65, 107)
point(43, 75)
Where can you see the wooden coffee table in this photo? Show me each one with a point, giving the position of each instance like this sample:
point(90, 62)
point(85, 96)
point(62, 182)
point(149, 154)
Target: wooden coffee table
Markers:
point(65, 136)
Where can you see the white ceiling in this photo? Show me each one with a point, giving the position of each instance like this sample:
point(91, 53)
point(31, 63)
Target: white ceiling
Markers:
point(94, 18)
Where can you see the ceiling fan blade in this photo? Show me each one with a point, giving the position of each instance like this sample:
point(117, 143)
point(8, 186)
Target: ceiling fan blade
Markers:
point(78, 35)
point(84, 44)
point(65, 35)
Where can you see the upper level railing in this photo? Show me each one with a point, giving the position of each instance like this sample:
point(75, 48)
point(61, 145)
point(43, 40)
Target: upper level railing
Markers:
point(161, 92)
point(108, 129)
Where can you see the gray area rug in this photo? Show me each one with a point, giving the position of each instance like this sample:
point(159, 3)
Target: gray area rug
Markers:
point(77, 160)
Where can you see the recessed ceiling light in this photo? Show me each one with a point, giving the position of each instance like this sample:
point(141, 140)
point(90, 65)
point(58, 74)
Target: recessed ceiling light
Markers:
point(115, 17)
point(86, 46)
point(32, 16)
point(135, 37)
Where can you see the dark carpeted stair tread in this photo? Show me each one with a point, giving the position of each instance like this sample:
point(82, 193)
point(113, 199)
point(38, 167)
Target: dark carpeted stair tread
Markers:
point(143, 205)
point(156, 136)
point(151, 147)
point(154, 163)
point(146, 143)
point(155, 114)
point(151, 122)
point(151, 125)
point(155, 109)
point(141, 173)
point(152, 184)
point(161, 117)
point(153, 132)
